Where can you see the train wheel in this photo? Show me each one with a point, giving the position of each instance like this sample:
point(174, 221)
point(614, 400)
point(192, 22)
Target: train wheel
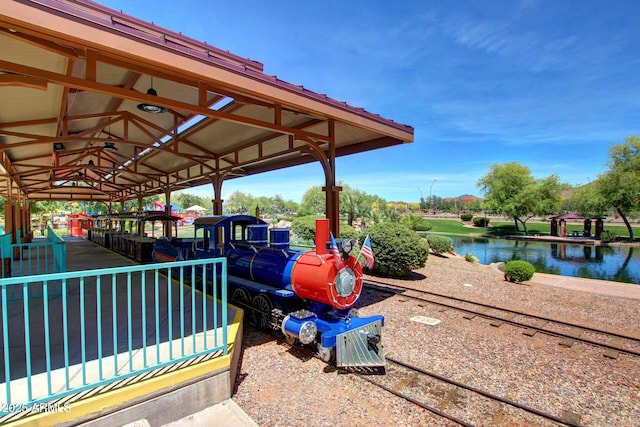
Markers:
point(262, 307)
point(241, 297)
point(326, 354)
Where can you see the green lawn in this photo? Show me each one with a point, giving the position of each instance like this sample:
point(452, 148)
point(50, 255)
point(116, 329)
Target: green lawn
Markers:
point(500, 228)
point(453, 227)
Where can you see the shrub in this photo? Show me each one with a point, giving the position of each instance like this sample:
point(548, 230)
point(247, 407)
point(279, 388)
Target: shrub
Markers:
point(518, 271)
point(416, 222)
point(481, 221)
point(471, 258)
point(397, 250)
point(440, 244)
point(424, 226)
point(305, 226)
point(607, 236)
point(467, 216)
point(348, 232)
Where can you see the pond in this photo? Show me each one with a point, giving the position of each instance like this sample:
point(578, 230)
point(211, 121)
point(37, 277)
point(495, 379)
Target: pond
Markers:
point(616, 263)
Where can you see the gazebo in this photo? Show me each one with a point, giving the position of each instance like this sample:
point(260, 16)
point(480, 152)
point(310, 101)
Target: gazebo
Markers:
point(560, 220)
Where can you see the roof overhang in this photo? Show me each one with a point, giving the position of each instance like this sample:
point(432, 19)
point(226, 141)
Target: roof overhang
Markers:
point(73, 74)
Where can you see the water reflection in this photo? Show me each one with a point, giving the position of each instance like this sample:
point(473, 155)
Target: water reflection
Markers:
point(617, 263)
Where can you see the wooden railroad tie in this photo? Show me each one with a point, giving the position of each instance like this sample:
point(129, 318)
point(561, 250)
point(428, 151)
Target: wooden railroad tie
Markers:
point(404, 382)
point(571, 417)
point(470, 316)
point(497, 322)
point(570, 341)
point(611, 353)
point(534, 330)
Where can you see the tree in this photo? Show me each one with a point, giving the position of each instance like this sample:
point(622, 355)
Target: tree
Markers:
point(313, 202)
point(240, 203)
point(45, 209)
point(620, 186)
point(353, 204)
point(278, 205)
point(186, 200)
point(510, 190)
point(588, 201)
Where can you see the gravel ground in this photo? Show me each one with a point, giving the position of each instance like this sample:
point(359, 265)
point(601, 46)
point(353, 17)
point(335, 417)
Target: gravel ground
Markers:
point(278, 386)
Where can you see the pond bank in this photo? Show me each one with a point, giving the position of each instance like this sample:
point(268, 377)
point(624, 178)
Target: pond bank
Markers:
point(555, 239)
point(595, 286)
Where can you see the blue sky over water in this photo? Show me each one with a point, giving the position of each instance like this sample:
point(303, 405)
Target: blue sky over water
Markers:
point(549, 84)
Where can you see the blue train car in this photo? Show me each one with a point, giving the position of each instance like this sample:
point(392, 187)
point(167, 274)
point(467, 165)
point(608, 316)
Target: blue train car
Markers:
point(308, 296)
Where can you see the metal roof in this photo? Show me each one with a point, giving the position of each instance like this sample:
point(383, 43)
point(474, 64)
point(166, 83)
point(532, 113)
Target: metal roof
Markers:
point(73, 76)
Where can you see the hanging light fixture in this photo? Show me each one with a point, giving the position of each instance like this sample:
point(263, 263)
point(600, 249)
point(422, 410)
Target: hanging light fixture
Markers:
point(109, 146)
point(90, 164)
point(151, 108)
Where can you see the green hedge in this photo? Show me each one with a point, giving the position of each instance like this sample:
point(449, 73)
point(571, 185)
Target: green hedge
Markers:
point(348, 232)
point(518, 271)
point(471, 258)
point(481, 221)
point(396, 249)
point(467, 216)
point(305, 226)
point(440, 244)
point(607, 236)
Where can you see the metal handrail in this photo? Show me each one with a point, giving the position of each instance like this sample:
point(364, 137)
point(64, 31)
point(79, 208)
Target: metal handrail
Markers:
point(107, 325)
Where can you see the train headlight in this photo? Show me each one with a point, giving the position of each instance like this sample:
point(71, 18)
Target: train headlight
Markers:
point(300, 325)
point(345, 247)
point(308, 332)
point(347, 244)
point(345, 282)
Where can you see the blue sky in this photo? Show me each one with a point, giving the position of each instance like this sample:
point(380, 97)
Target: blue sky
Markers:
point(550, 84)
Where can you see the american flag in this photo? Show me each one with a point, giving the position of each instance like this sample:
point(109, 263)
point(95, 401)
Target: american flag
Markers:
point(336, 252)
point(367, 252)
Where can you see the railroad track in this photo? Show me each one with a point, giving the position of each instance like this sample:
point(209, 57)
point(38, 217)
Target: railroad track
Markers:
point(569, 333)
point(449, 398)
point(446, 397)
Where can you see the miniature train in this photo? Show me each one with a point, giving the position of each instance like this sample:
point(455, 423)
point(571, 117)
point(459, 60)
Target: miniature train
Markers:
point(306, 295)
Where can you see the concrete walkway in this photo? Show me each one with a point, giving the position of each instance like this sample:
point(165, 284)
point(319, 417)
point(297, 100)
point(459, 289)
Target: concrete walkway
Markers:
point(601, 287)
point(224, 414)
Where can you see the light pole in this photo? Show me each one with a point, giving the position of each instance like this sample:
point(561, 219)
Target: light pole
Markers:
point(421, 198)
point(430, 188)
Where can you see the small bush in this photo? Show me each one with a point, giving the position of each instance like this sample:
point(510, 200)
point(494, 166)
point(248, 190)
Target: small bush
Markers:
point(607, 236)
point(467, 216)
point(481, 221)
point(471, 258)
point(305, 226)
point(518, 271)
point(348, 232)
point(440, 244)
point(397, 250)
point(416, 222)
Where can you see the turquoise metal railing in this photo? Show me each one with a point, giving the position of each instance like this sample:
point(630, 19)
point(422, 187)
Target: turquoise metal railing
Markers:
point(33, 258)
point(107, 325)
point(59, 249)
point(6, 254)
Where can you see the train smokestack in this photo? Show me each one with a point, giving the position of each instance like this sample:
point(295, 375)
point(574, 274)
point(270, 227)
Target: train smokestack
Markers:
point(322, 236)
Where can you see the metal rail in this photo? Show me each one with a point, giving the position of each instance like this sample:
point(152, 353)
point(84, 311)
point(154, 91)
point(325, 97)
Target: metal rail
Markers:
point(388, 287)
point(484, 393)
point(107, 325)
